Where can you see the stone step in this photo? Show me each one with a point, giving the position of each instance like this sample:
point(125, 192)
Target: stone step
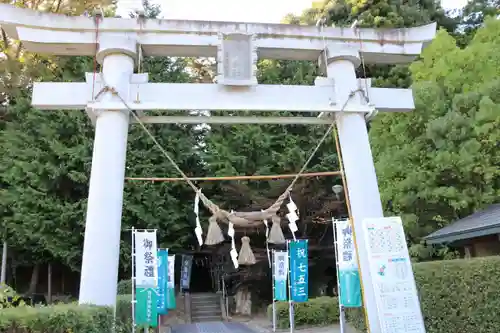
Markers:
point(205, 297)
point(205, 301)
point(204, 319)
point(195, 312)
point(195, 303)
point(205, 309)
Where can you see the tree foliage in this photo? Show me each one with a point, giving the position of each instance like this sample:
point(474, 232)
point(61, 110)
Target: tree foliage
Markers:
point(45, 156)
point(46, 159)
point(440, 163)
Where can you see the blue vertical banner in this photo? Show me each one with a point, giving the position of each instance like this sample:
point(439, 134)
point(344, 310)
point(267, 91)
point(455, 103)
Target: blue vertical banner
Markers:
point(299, 271)
point(162, 281)
point(186, 265)
point(280, 259)
point(349, 281)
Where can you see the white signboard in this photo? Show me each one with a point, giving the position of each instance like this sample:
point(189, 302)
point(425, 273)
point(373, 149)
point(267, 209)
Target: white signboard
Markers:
point(146, 269)
point(281, 265)
point(171, 272)
point(347, 260)
point(392, 276)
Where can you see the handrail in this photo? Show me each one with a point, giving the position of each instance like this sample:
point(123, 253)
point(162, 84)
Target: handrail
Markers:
point(224, 297)
point(187, 307)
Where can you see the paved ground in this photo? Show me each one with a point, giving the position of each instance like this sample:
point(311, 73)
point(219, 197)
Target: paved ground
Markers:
point(262, 325)
point(212, 328)
point(256, 325)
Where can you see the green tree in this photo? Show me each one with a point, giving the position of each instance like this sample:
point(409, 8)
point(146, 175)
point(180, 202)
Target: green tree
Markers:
point(440, 163)
point(45, 168)
point(43, 154)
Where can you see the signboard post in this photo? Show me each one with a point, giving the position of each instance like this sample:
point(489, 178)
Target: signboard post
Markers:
point(299, 275)
point(396, 294)
point(146, 278)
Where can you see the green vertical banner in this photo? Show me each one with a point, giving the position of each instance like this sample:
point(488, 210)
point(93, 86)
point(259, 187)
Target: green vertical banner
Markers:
point(162, 281)
point(146, 310)
point(299, 271)
point(146, 279)
point(171, 303)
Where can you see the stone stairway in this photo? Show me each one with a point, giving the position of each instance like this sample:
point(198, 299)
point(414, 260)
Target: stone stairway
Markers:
point(205, 307)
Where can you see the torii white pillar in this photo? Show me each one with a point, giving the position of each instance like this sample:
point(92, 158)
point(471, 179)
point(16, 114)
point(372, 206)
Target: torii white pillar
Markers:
point(359, 169)
point(101, 247)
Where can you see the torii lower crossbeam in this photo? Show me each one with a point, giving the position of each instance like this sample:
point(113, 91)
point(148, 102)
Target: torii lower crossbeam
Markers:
point(144, 96)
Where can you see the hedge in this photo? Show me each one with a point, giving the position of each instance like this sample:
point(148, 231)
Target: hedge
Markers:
point(320, 311)
point(64, 318)
point(456, 296)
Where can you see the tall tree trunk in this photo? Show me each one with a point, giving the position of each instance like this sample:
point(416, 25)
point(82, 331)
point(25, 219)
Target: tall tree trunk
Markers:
point(3, 269)
point(49, 284)
point(34, 280)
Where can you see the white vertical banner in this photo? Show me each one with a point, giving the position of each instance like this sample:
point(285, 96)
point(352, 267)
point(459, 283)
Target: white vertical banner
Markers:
point(281, 260)
point(146, 268)
point(347, 251)
point(171, 271)
point(348, 272)
point(171, 300)
point(280, 275)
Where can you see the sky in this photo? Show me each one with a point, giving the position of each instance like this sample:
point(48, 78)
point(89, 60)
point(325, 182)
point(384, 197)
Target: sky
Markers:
point(261, 11)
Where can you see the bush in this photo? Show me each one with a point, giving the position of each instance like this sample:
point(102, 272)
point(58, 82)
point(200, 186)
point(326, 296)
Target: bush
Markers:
point(57, 319)
point(7, 296)
point(124, 287)
point(124, 313)
point(455, 296)
point(320, 311)
point(63, 318)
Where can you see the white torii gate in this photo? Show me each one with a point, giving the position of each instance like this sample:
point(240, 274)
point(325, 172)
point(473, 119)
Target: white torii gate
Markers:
point(236, 46)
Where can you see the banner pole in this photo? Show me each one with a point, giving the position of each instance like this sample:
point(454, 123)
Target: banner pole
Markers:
point(132, 280)
point(291, 313)
point(341, 308)
point(273, 272)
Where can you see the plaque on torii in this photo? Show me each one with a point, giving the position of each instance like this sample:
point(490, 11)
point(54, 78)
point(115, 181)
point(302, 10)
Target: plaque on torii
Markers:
point(236, 47)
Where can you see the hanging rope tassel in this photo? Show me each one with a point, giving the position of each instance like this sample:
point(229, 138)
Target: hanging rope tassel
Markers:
point(267, 244)
point(198, 230)
point(233, 253)
point(246, 256)
point(214, 233)
point(276, 234)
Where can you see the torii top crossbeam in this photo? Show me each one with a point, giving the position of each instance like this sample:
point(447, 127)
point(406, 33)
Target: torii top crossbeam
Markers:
point(236, 46)
point(75, 35)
